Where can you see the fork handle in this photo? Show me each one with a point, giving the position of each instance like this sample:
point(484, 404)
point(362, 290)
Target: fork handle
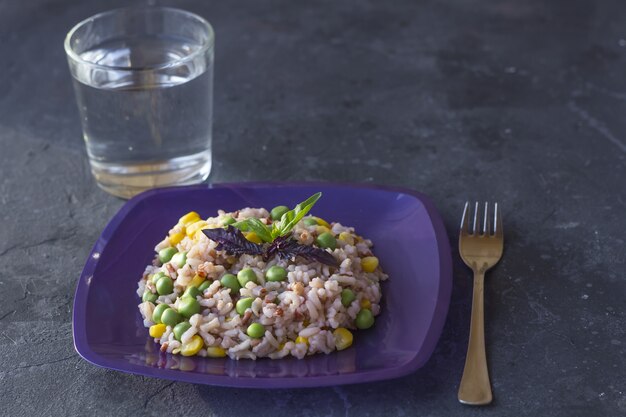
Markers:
point(475, 388)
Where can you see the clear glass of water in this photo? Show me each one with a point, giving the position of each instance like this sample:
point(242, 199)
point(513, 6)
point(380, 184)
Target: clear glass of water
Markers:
point(143, 78)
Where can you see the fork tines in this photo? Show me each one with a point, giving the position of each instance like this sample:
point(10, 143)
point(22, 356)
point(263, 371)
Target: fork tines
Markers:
point(485, 228)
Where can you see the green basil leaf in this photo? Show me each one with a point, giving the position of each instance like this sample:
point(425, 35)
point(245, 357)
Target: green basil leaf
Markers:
point(289, 220)
point(257, 226)
point(241, 225)
point(261, 229)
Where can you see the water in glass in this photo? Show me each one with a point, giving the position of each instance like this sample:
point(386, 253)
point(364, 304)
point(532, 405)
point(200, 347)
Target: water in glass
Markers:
point(146, 129)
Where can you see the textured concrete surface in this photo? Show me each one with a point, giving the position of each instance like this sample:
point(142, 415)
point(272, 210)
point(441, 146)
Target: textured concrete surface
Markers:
point(520, 102)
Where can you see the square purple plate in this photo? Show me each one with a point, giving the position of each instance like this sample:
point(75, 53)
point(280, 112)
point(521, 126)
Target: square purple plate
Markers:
point(409, 239)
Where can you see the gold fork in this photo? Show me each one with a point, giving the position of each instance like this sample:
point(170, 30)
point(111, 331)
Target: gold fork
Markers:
point(479, 251)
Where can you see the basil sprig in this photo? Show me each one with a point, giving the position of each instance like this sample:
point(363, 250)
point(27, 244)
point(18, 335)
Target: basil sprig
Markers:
point(276, 241)
point(281, 227)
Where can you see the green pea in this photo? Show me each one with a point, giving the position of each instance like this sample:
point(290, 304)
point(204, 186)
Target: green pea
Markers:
point(228, 220)
point(310, 221)
point(204, 285)
point(256, 330)
point(165, 286)
point(364, 319)
point(246, 275)
point(158, 312)
point(181, 328)
point(230, 281)
point(166, 254)
point(179, 259)
point(157, 276)
point(347, 297)
point(149, 296)
point(188, 306)
point(171, 317)
point(243, 304)
point(192, 292)
point(278, 211)
point(326, 240)
point(276, 273)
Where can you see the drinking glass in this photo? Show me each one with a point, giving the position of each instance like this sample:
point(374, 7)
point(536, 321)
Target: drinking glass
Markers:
point(143, 78)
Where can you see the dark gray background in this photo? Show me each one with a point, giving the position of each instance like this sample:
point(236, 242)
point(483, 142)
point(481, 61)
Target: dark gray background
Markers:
point(522, 102)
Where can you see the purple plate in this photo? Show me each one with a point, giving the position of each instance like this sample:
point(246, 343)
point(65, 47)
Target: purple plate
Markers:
point(410, 241)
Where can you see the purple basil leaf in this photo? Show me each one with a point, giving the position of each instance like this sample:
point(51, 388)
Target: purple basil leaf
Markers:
point(232, 241)
point(316, 254)
point(275, 247)
point(285, 247)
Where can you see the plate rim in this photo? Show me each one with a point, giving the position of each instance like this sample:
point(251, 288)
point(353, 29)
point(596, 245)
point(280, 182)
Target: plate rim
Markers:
point(421, 357)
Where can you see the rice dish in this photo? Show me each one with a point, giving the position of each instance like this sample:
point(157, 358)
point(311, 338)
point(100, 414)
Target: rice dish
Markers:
point(202, 297)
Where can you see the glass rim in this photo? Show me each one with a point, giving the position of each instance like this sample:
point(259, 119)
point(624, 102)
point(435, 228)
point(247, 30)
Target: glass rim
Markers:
point(209, 44)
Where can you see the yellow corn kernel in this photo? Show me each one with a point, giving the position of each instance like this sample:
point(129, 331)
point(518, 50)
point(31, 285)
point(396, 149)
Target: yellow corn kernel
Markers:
point(343, 338)
point(369, 263)
point(194, 227)
point(199, 233)
point(192, 347)
point(346, 237)
point(301, 339)
point(189, 218)
point(157, 330)
point(196, 281)
point(176, 238)
point(365, 303)
point(215, 352)
point(322, 229)
point(253, 237)
point(321, 222)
